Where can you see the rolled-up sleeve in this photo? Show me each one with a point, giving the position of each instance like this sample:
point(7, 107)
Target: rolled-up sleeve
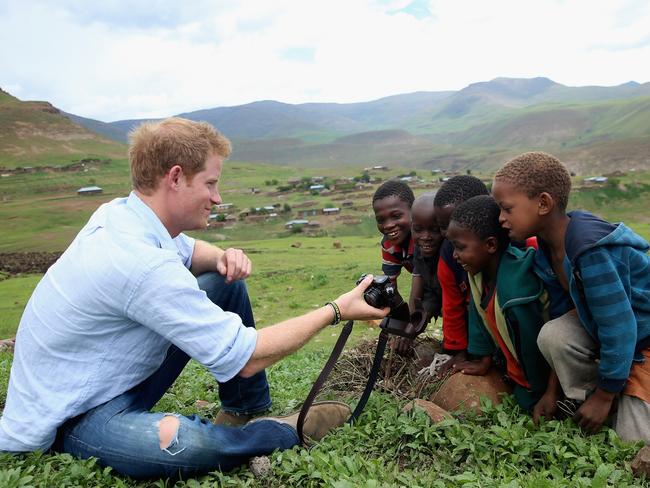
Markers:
point(168, 301)
point(185, 246)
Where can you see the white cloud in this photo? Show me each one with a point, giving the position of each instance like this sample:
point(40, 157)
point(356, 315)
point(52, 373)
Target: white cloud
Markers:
point(119, 59)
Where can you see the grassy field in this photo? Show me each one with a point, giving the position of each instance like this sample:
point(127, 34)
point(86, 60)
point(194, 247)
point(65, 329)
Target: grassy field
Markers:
point(386, 447)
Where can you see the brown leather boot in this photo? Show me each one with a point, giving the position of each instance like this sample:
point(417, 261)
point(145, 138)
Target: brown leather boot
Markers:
point(321, 419)
point(231, 419)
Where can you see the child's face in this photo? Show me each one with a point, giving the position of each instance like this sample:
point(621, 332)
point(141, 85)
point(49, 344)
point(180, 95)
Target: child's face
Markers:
point(425, 231)
point(393, 218)
point(442, 216)
point(472, 253)
point(519, 213)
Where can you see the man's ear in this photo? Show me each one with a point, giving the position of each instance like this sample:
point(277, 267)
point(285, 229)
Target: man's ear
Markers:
point(546, 204)
point(491, 244)
point(173, 177)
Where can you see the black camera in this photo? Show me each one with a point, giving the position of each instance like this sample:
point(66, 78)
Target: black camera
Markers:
point(380, 293)
point(399, 321)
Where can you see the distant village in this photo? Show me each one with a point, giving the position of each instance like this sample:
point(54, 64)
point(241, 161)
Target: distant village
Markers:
point(347, 199)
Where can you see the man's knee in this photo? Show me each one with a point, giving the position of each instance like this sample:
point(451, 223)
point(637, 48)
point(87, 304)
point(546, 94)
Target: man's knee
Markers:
point(168, 430)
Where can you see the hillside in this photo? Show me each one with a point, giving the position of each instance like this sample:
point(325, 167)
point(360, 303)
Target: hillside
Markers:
point(36, 133)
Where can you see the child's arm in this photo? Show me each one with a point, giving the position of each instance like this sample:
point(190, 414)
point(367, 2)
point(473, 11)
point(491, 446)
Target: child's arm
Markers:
point(480, 344)
point(547, 405)
point(454, 306)
point(417, 291)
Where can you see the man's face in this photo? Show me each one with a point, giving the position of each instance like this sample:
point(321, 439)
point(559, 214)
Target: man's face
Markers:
point(425, 231)
point(471, 252)
point(442, 215)
point(197, 195)
point(393, 218)
point(519, 213)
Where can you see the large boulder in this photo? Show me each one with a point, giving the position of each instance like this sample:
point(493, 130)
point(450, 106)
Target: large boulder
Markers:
point(462, 391)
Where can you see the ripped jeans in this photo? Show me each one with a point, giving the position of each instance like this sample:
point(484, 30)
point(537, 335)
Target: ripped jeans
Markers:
point(124, 434)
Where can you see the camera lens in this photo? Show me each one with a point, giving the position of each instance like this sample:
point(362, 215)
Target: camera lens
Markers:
point(372, 297)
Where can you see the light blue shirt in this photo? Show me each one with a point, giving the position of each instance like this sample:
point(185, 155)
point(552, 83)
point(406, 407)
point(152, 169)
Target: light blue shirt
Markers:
point(102, 318)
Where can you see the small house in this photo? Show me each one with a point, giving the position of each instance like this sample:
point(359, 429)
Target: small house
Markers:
point(89, 190)
point(331, 211)
point(292, 223)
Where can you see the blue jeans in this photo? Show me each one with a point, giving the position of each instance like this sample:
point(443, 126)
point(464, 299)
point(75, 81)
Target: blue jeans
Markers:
point(123, 433)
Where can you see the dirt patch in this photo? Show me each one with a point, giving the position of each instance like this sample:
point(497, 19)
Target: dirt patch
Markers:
point(14, 263)
point(398, 375)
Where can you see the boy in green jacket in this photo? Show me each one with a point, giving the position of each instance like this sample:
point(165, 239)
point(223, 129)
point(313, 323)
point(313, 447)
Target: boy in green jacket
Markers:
point(508, 304)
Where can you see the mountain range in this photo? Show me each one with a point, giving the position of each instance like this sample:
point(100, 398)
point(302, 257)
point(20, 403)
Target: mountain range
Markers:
point(592, 128)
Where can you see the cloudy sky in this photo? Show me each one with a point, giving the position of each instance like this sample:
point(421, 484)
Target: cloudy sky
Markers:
point(118, 59)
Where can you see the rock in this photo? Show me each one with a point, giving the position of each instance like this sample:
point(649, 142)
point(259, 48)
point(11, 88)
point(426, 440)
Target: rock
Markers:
point(296, 244)
point(424, 354)
point(203, 404)
point(260, 466)
point(434, 412)
point(373, 323)
point(7, 345)
point(337, 244)
point(462, 391)
point(641, 462)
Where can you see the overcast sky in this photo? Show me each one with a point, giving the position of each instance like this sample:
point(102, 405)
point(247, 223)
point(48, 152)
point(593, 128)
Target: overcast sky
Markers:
point(118, 59)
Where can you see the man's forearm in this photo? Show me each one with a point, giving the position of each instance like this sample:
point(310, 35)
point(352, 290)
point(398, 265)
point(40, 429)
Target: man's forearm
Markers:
point(204, 257)
point(280, 340)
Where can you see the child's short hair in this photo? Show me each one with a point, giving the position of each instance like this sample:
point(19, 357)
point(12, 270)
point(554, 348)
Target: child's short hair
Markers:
point(394, 188)
point(537, 172)
point(480, 214)
point(459, 188)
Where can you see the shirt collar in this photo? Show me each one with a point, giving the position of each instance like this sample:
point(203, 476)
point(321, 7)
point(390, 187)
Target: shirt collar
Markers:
point(159, 231)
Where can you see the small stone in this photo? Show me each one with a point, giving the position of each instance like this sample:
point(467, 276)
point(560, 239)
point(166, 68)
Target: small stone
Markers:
point(337, 244)
point(7, 345)
point(434, 412)
point(641, 462)
point(202, 404)
point(260, 466)
point(296, 244)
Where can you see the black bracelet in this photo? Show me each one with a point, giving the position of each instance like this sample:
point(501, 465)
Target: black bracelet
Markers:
point(337, 313)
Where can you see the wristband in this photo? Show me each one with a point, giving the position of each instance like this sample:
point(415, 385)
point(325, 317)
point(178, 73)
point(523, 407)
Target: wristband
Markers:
point(337, 313)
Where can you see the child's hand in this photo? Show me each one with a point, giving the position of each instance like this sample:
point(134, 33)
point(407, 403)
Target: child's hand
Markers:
point(448, 367)
point(594, 411)
point(402, 345)
point(479, 367)
point(545, 407)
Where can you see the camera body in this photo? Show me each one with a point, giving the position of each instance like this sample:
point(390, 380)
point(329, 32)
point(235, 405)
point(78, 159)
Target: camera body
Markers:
point(399, 321)
point(380, 293)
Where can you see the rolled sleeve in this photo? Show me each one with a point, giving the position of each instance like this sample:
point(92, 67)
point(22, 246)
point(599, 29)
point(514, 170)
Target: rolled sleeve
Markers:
point(169, 302)
point(185, 246)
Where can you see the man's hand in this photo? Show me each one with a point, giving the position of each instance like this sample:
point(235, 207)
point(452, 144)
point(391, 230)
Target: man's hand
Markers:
point(449, 366)
point(234, 265)
point(594, 411)
point(479, 367)
point(354, 307)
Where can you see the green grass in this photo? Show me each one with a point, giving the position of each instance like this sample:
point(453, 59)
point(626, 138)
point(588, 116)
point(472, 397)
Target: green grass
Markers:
point(386, 447)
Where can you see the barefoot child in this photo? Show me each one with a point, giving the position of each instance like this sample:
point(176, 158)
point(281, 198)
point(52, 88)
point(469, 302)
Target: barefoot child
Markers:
point(452, 278)
point(600, 350)
point(507, 305)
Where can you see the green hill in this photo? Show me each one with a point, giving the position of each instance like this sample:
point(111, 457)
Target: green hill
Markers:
point(37, 134)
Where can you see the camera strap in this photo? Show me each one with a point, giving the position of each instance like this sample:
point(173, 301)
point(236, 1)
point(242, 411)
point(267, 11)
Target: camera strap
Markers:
point(327, 369)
